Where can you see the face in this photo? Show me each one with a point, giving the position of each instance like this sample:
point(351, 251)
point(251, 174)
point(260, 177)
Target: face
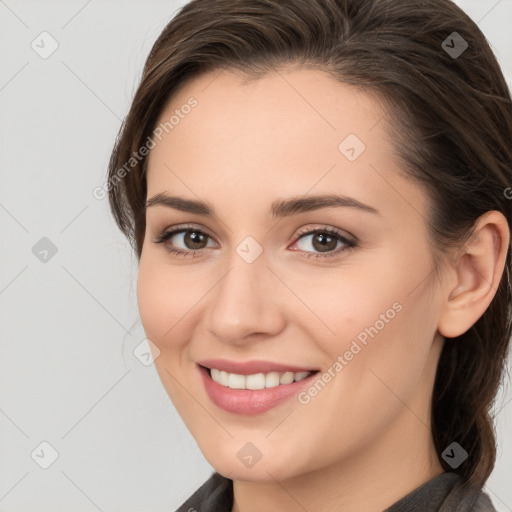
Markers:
point(274, 281)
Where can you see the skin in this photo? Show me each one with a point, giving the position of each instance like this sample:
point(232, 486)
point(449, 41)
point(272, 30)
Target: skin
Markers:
point(364, 441)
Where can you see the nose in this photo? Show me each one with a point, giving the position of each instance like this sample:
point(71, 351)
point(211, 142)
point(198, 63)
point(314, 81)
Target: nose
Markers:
point(246, 303)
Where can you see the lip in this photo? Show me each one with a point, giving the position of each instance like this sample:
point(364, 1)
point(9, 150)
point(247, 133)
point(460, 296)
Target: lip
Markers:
point(251, 367)
point(250, 402)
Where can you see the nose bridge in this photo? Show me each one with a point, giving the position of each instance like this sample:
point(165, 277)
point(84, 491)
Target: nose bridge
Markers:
point(245, 301)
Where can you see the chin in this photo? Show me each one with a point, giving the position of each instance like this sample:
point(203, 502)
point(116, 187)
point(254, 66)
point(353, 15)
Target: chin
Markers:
point(266, 469)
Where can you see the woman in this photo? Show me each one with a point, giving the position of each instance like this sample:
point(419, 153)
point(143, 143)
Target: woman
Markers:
point(316, 194)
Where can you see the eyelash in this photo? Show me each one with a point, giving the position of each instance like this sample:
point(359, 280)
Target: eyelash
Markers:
point(349, 243)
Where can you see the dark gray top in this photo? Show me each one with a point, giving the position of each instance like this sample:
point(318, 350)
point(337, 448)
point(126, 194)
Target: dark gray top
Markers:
point(442, 493)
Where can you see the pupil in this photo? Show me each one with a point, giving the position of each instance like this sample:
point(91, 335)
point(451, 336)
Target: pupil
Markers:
point(196, 238)
point(324, 242)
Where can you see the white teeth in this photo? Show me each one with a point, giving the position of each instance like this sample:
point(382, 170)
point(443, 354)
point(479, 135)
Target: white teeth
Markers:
point(272, 380)
point(287, 378)
point(236, 381)
point(215, 374)
point(223, 377)
point(257, 380)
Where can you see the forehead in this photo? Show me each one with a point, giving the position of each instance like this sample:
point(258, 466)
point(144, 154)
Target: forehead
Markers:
point(288, 132)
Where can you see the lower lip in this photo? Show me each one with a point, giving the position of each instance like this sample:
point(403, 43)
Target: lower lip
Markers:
point(250, 402)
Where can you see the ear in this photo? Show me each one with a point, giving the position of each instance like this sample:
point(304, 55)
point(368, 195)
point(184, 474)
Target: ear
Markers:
point(475, 274)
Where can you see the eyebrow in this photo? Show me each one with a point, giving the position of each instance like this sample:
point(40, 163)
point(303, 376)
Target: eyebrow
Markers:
point(279, 208)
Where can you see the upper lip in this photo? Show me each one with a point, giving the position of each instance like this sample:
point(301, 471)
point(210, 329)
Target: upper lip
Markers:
point(251, 367)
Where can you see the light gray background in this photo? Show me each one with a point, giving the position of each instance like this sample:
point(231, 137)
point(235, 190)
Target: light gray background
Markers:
point(68, 375)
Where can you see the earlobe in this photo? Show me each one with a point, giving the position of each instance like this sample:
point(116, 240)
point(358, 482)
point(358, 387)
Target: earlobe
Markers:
point(477, 273)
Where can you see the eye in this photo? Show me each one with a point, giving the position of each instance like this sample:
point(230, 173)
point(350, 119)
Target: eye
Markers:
point(192, 238)
point(194, 241)
point(325, 241)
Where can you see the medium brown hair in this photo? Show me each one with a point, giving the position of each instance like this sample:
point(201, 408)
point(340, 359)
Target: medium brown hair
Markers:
point(449, 118)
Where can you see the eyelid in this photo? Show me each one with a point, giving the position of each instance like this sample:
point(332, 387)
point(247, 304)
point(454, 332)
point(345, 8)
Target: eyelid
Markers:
point(184, 227)
point(165, 234)
point(327, 229)
point(348, 239)
point(302, 231)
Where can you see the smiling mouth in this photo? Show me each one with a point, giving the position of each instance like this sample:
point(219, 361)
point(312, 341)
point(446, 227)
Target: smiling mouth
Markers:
point(248, 393)
point(256, 381)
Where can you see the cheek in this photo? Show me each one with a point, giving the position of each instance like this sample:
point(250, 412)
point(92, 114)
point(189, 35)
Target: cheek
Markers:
point(347, 302)
point(163, 301)
point(380, 315)
point(151, 301)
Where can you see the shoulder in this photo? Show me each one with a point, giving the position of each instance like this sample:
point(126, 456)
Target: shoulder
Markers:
point(446, 492)
point(483, 504)
point(463, 499)
point(214, 495)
